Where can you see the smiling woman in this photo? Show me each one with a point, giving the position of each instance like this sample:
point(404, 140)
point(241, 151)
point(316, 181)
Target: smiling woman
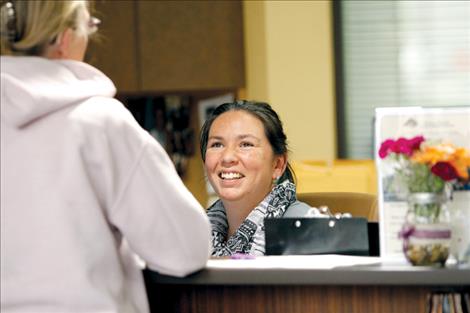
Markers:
point(244, 149)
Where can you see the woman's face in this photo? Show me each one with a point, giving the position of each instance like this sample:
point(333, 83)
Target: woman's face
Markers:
point(240, 162)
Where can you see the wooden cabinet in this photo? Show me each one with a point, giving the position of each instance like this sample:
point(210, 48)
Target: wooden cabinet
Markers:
point(113, 50)
point(165, 46)
point(191, 45)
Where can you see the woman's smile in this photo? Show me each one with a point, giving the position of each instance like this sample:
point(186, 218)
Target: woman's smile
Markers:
point(240, 162)
point(230, 175)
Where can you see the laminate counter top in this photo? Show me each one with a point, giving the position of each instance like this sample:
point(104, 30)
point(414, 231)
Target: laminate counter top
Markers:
point(318, 270)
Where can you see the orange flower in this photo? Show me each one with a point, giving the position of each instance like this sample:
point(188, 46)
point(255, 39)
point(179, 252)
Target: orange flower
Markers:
point(461, 162)
point(458, 157)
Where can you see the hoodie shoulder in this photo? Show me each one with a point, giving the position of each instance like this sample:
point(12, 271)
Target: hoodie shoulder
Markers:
point(107, 114)
point(102, 111)
point(34, 87)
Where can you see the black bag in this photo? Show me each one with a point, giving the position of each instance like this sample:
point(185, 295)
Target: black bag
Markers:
point(300, 236)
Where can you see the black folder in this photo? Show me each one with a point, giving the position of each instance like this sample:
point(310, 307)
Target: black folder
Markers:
point(301, 236)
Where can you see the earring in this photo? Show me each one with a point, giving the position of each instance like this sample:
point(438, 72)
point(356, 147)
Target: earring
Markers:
point(275, 180)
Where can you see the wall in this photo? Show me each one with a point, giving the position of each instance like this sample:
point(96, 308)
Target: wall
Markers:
point(289, 63)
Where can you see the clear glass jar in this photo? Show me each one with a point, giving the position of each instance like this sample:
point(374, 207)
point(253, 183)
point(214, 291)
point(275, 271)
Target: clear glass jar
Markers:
point(426, 232)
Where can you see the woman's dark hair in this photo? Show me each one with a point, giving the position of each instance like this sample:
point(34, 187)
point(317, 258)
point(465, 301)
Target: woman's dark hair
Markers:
point(272, 128)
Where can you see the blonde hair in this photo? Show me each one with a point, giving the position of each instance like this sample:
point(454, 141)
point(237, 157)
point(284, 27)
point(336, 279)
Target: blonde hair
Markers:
point(27, 27)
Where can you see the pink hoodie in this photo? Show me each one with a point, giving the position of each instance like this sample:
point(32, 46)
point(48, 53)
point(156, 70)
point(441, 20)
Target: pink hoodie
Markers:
point(79, 178)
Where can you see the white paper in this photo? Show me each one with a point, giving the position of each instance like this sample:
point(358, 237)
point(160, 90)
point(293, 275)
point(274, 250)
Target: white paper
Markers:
point(460, 218)
point(326, 261)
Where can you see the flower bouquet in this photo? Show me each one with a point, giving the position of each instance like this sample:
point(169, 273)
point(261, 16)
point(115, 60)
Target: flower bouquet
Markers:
point(426, 171)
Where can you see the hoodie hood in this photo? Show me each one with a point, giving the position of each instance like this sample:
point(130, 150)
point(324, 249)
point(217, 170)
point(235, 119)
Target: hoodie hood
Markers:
point(33, 87)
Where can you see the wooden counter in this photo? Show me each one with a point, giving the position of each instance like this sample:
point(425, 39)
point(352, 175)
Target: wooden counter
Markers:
point(361, 288)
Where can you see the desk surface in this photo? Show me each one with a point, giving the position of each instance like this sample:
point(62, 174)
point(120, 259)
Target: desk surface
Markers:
point(371, 272)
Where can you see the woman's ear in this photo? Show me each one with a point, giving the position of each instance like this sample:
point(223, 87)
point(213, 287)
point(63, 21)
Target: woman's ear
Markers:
point(60, 49)
point(280, 164)
point(64, 43)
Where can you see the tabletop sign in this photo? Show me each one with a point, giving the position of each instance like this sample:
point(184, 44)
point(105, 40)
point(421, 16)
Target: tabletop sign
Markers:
point(451, 124)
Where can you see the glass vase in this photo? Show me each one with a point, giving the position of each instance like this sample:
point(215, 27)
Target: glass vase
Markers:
point(426, 232)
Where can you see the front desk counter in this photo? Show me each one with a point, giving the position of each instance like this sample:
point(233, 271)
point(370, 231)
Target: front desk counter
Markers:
point(306, 284)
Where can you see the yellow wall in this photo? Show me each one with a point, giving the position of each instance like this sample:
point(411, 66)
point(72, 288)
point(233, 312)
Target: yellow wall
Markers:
point(289, 63)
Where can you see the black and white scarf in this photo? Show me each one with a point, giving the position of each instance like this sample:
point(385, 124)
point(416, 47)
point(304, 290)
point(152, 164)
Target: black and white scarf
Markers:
point(249, 237)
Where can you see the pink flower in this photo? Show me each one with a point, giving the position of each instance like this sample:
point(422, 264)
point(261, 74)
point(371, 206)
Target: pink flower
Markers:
point(400, 146)
point(403, 146)
point(385, 148)
point(416, 142)
point(444, 170)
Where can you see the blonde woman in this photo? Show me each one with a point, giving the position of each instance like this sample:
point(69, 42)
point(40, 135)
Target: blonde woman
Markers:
point(80, 180)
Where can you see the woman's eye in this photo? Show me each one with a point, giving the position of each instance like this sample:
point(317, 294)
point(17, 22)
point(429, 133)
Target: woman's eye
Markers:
point(215, 145)
point(246, 144)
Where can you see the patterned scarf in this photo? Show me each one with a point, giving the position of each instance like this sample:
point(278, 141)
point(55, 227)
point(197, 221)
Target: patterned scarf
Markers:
point(249, 237)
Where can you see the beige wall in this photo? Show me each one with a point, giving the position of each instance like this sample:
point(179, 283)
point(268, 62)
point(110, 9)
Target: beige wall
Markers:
point(289, 63)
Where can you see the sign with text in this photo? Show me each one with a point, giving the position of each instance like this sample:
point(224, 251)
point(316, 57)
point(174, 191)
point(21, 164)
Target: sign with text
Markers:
point(450, 125)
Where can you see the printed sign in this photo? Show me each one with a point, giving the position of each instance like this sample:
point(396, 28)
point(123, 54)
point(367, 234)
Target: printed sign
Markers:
point(435, 124)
